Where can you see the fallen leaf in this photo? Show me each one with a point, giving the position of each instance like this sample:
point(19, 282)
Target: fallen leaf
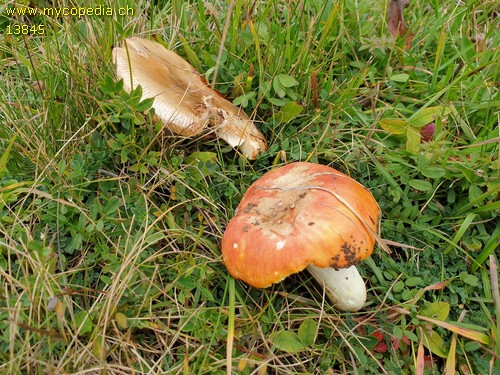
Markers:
point(433, 342)
point(99, 347)
point(121, 319)
point(394, 126)
point(466, 332)
point(425, 116)
point(420, 362)
point(427, 132)
point(59, 309)
point(381, 346)
point(395, 18)
point(436, 310)
point(412, 139)
point(396, 21)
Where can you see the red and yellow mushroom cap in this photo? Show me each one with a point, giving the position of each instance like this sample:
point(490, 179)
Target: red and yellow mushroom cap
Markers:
point(297, 215)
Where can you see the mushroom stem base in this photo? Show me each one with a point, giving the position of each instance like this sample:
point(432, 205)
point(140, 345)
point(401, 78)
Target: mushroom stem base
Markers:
point(344, 287)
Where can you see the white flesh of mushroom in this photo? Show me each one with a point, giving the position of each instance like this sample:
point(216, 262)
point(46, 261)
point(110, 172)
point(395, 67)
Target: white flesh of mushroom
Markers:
point(182, 99)
point(344, 287)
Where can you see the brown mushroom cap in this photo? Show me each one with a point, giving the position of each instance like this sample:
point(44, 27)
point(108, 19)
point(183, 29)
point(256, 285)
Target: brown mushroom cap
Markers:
point(296, 215)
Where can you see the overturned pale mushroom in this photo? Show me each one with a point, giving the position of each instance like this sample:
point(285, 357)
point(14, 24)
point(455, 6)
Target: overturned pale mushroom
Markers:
point(304, 215)
point(182, 98)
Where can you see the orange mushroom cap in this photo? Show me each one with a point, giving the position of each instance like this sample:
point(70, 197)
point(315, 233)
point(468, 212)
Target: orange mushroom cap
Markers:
point(296, 215)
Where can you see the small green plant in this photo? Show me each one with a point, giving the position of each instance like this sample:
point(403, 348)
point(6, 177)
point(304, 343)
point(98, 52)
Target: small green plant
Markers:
point(411, 129)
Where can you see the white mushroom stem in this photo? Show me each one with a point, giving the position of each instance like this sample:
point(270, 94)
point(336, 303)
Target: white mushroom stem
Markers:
point(344, 287)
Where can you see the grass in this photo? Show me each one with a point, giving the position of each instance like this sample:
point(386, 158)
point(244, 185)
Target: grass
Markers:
point(110, 229)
